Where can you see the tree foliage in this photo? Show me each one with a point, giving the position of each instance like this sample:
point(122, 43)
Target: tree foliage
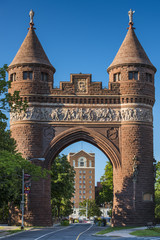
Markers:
point(106, 192)
point(92, 208)
point(62, 186)
point(157, 191)
point(11, 166)
point(11, 162)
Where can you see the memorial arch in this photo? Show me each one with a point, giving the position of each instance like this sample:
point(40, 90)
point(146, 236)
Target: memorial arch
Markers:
point(117, 120)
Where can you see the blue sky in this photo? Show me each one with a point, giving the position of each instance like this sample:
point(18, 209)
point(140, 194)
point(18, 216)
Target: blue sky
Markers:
point(83, 36)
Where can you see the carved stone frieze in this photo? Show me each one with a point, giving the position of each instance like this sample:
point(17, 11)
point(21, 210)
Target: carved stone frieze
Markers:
point(83, 114)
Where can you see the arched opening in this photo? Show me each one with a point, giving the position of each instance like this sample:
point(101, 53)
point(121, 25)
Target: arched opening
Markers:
point(88, 186)
point(76, 134)
point(67, 138)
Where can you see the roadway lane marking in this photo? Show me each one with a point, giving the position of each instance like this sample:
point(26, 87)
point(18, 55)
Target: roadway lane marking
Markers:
point(52, 232)
point(84, 232)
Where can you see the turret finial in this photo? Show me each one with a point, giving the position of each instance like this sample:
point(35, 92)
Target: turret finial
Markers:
point(31, 14)
point(130, 14)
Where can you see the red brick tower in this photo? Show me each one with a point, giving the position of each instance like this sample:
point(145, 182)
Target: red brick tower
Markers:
point(134, 72)
point(31, 73)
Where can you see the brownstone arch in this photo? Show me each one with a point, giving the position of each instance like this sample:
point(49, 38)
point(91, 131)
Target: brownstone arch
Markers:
point(73, 135)
point(117, 120)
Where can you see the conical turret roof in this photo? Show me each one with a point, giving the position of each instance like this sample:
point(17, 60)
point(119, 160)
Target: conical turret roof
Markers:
point(31, 51)
point(131, 52)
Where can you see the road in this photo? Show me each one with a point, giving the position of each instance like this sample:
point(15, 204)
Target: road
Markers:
point(72, 232)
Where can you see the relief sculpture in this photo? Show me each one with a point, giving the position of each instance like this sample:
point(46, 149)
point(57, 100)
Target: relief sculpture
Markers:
point(83, 114)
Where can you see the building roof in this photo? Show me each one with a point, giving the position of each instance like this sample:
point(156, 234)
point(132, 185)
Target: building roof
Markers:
point(82, 151)
point(131, 52)
point(31, 51)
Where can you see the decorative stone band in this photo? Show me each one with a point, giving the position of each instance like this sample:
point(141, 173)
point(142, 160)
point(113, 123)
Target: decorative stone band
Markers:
point(83, 114)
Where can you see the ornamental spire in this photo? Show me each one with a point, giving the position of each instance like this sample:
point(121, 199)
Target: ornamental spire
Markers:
point(130, 14)
point(31, 14)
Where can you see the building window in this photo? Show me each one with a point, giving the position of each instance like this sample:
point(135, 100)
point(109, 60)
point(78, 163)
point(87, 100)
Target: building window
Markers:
point(80, 171)
point(133, 75)
point(84, 186)
point(90, 163)
point(80, 191)
point(84, 191)
point(27, 75)
point(148, 77)
point(90, 181)
point(90, 191)
point(84, 177)
point(80, 186)
point(147, 197)
point(84, 196)
point(90, 177)
point(80, 176)
point(90, 186)
point(84, 172)
point(73, 163)
point(90, 171)
point(13, 77)
point(117, 77)
point(84, 181)
point(90, 197)
point(80, 196)
point(80, 181)
point(82, 162)
point(44, 76)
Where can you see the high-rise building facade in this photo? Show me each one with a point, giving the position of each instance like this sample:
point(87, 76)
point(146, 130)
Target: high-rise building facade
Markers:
point(84, 166)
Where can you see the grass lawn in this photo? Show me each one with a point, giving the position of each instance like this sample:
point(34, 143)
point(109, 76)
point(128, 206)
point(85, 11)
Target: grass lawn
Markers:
point(14, 231)
point(111, 229)
point(155, 232)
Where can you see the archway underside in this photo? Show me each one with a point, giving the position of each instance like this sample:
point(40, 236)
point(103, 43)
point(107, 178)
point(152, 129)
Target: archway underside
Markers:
point(76, 134)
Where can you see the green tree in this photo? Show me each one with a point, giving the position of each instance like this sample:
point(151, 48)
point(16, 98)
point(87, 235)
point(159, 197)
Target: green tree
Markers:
point(157, 191)
point(8, 102)
point(11, 162)
point(11, 166)
point(106, 192)
point(92, 208)
point(62, 186)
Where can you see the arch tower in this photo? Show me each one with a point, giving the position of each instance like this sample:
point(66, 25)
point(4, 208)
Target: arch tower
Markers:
point(117, 120)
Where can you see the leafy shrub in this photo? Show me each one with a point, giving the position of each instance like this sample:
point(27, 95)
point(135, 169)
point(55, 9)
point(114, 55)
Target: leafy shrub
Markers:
point(65, 223)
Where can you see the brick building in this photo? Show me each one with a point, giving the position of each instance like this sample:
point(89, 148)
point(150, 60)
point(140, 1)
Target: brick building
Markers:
point(117, 120)
point(84, 166)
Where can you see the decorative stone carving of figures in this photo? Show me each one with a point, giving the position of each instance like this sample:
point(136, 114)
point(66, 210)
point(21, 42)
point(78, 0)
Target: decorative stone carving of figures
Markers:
point(99, 114)
point(67, 115)
point(55, 114)
point(31, 14)
point(130, 14)
point(118, 115)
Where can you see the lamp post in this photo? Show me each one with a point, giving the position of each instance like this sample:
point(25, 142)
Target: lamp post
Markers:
point(22, 202)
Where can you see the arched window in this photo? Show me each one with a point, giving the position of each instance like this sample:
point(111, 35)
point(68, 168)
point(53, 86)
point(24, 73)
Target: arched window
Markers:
point(82, 162)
